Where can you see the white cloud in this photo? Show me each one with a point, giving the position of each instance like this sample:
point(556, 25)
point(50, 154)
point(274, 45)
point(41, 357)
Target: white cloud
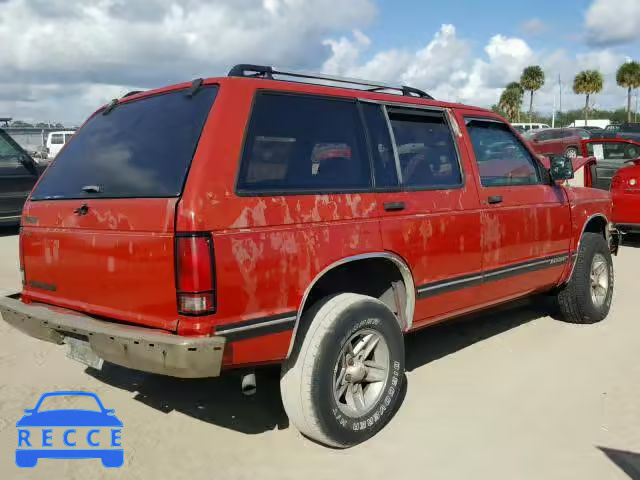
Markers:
point(113, 44)
point(60, 59)
point(447, 68)
point(610, 22)
point(533, 26)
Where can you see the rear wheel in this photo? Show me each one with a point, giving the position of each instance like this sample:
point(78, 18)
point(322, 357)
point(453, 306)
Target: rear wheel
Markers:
point(571, 152)
point(586, 298)
point(343, 380)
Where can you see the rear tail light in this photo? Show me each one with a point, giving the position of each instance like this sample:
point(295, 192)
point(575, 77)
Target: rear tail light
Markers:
point(195, 275)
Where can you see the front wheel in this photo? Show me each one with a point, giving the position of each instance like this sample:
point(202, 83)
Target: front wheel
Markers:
point(343, 381)
point(586, 298)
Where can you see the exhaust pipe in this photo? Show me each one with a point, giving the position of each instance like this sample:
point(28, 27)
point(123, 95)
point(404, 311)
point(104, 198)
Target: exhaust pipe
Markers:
point(248, 384)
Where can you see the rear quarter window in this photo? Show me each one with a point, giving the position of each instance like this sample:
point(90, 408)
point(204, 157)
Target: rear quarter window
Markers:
point(142, 148)
point(303, 144)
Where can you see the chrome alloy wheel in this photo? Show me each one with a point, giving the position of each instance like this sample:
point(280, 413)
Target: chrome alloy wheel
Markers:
point(361, 373)
point(599, 279)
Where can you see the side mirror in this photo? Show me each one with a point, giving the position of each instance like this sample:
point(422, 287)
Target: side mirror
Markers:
point(561, 168)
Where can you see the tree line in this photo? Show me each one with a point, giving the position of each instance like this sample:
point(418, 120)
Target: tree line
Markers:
point(587, 83)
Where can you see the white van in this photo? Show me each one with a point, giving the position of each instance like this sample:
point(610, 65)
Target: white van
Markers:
point(525, 127)
point(56, 140)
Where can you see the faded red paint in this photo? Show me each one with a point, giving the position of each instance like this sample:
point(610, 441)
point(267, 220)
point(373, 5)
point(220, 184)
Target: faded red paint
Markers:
point(625, 191)
point(118, 260)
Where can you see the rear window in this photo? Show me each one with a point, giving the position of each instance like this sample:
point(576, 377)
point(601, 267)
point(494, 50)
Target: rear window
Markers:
point(141, 148)
point(300, 143)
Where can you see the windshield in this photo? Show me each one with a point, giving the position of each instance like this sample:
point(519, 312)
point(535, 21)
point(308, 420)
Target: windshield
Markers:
point(141, 148)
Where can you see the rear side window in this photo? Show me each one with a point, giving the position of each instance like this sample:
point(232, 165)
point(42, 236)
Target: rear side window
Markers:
point(427, 154)
point(141, 148)
point(299, 143)
point(502, 159)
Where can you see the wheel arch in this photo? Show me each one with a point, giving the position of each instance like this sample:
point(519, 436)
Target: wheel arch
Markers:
point(405, 320)
point(596, 223)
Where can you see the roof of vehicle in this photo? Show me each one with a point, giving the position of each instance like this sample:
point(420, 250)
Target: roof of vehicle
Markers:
point(329, 86)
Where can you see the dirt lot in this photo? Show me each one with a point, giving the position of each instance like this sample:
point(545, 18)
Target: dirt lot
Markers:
point(510, 394)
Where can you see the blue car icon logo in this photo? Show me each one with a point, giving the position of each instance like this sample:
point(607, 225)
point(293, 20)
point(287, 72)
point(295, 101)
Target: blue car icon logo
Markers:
point(69, 432)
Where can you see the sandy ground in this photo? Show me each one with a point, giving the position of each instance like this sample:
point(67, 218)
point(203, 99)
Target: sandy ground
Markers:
point(510, 394)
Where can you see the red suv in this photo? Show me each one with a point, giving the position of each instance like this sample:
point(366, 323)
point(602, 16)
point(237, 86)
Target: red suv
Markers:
point(249, 220)
point(557, 141)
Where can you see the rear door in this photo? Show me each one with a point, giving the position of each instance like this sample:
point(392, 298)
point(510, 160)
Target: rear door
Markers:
point(430, 211)
point(98, 234)
point(526, 226)
point(18, 174)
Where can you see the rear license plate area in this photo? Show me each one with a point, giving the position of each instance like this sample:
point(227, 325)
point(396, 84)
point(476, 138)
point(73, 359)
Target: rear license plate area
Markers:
point(80, 351)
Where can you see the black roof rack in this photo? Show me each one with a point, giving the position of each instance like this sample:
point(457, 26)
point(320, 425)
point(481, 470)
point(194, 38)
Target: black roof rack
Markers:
point(131, 93)
point(264, 71)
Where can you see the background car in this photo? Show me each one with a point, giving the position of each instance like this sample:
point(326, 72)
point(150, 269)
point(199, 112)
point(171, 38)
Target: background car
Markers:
point(625, 193)
point(557, 141)
point(18, 175)
point(57, 140)
point(525, 127)
point(611, 154)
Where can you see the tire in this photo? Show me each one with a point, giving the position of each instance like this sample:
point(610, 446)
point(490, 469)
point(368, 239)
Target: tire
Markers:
point(313, 394)
point(575, 299)
point(571, 152)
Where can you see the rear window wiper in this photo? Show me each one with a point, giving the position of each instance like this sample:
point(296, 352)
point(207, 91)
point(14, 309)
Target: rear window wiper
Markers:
point(92, 189)
point(195, 86)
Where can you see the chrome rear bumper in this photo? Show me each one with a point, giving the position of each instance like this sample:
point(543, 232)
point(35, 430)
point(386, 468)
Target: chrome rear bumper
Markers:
point(154, 351)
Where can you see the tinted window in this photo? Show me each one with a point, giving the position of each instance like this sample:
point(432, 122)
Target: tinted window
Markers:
point(425, 147)
point(502, 159)
point(57, 139)
point(300, 143)
point(141, 148)
point(384, 162)
point(9, 152)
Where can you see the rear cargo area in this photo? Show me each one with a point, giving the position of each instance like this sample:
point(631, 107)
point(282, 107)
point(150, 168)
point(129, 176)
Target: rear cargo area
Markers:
point(98, 231)
point(105, 263)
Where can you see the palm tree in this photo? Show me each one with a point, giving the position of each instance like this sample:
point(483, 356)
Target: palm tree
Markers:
point(628, 77)
point(520, 91)
point(587, 83)
point(532, 79)
point(511, 101)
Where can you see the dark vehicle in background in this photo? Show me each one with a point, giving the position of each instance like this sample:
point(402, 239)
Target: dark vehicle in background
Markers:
point(629, 131)
point(18, 175)
point(611, 154)
point(556, 141)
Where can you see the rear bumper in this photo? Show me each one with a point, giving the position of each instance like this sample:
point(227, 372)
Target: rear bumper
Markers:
point(139, 348)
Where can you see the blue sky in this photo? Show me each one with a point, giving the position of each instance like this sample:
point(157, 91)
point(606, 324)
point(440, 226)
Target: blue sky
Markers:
point(61, 59)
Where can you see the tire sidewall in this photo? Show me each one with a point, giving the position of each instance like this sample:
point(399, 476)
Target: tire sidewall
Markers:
point(596, 245)
point(362, 315)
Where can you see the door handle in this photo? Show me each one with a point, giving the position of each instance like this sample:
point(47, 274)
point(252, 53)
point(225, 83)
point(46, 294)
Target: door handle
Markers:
point(494, 199)
point(394, 206)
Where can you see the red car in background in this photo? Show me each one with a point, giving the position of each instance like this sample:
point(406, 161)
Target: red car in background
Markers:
point(618, 170)
point(556, 141)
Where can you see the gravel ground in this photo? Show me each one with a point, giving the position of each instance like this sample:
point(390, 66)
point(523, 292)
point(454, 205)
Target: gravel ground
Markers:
point(509, 394)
